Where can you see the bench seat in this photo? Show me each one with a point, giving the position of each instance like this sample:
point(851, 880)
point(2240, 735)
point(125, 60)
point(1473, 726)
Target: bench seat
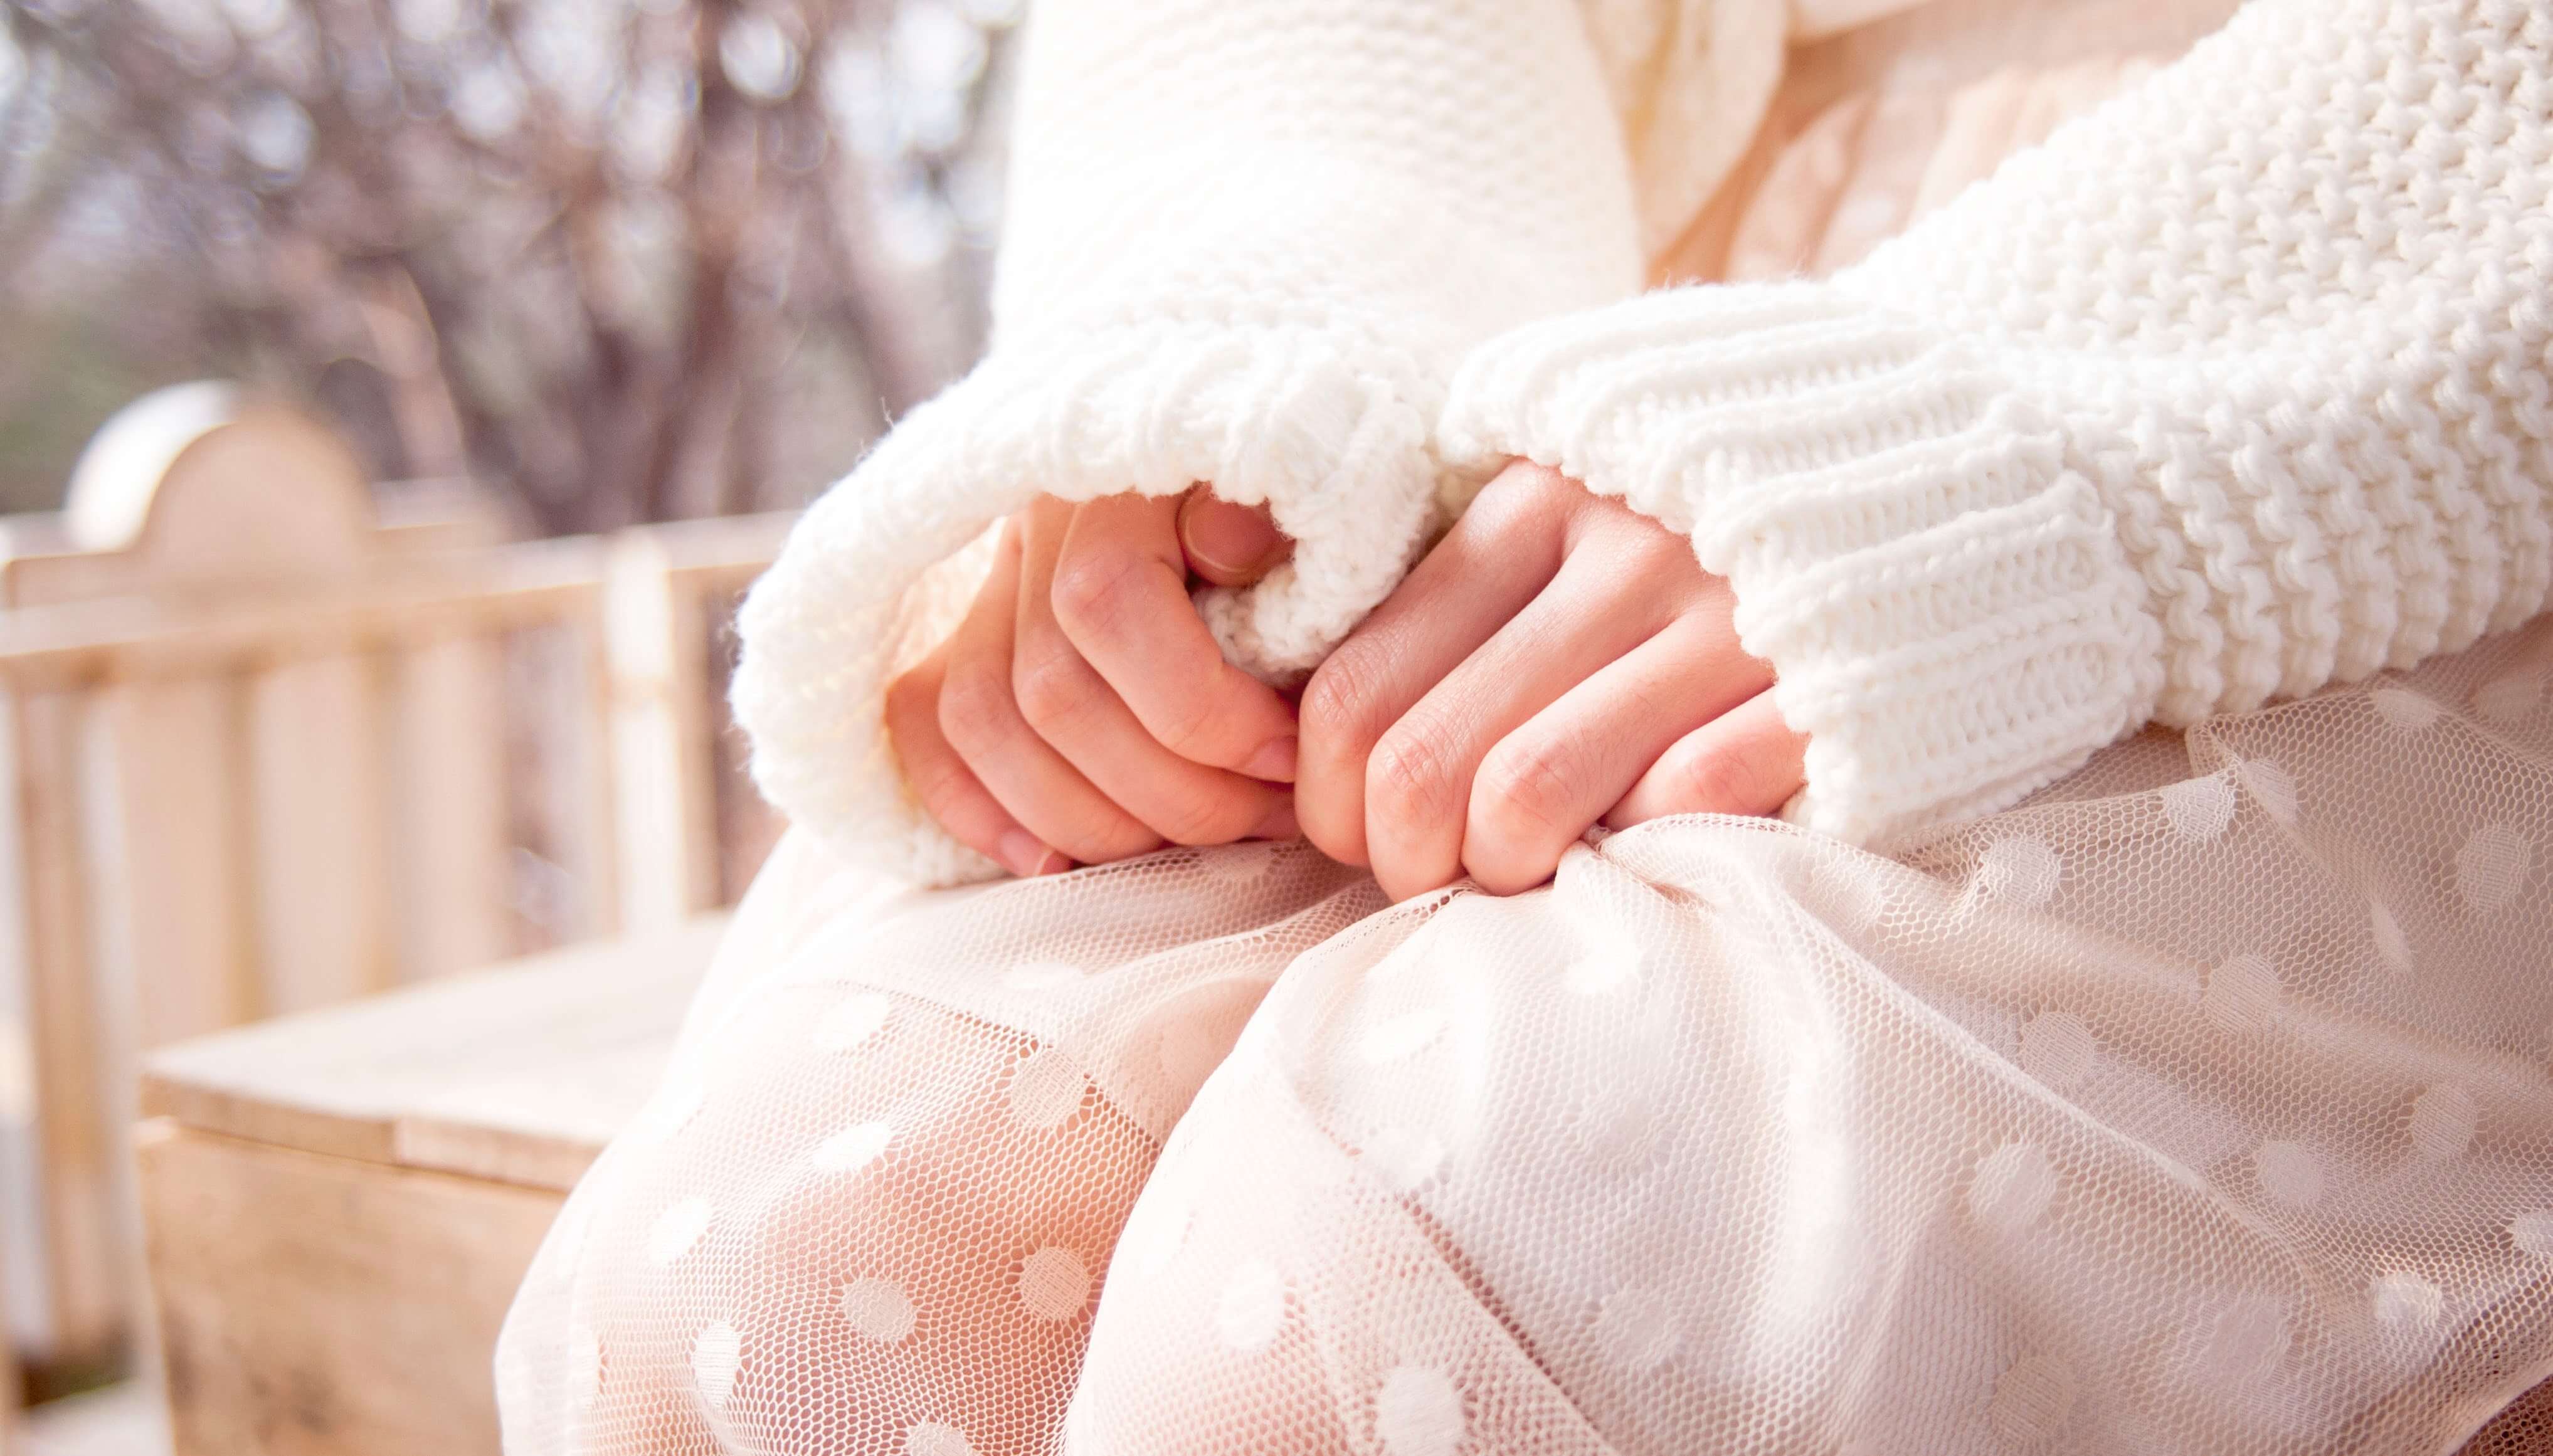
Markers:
point(339, 1204)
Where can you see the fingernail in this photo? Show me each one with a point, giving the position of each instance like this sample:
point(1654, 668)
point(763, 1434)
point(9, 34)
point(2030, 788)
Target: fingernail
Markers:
point(1274, 761)
point(1026, 855)
point(1227, 539)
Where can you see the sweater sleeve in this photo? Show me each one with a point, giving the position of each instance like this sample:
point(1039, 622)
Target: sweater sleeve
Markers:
point(2234, 389)
point(1247, 243)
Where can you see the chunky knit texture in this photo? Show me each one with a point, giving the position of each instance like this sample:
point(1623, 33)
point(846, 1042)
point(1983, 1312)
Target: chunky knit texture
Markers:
point(2235, 388)
point(1249, 242)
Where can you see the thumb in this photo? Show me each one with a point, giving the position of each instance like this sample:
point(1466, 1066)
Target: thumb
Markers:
point(1226, 544)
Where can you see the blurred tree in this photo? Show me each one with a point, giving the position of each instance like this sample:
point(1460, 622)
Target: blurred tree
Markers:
point(635, 258)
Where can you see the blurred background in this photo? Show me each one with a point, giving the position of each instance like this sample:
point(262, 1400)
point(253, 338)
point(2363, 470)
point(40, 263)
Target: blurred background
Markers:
point(620, 260)
point(394, 398)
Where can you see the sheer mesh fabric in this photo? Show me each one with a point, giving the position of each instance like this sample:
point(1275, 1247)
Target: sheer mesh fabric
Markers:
point(2200, 1105)
point(869, 1206)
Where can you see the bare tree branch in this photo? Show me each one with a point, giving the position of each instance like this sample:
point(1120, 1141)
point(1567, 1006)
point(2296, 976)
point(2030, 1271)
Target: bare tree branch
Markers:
point(592, 313)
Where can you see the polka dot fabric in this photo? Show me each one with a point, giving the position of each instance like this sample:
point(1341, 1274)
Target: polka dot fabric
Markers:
point(870, 1208)
point(2201, 1104)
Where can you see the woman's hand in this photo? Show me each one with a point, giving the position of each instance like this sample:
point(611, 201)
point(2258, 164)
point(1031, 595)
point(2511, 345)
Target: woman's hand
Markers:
point(1082, 712)
point(1558, 661)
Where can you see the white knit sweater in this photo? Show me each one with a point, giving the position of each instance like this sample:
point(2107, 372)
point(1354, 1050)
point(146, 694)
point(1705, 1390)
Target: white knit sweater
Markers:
point(2233, 389)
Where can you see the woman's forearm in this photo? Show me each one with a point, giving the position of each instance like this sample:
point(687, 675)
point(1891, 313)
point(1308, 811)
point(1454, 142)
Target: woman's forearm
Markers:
point(1247, 242)
point(2234, 389)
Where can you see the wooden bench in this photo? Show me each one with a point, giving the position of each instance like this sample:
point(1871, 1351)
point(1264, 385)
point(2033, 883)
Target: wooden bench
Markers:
point(340, 1203)
point(271, 738)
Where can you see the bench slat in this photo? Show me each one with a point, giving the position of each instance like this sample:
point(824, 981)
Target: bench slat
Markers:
point(519, 1073)
point(317, 1306)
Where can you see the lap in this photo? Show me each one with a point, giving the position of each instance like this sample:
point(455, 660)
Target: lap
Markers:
point(1737, 1137)
point(872, 1198)
point(2199, 1105)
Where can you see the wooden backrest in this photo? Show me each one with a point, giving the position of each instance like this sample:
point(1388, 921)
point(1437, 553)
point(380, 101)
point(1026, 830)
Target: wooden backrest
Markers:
point(271, 738)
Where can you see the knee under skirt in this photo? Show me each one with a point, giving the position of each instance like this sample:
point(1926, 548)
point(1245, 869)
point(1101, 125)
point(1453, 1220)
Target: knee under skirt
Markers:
point(2202, 1104)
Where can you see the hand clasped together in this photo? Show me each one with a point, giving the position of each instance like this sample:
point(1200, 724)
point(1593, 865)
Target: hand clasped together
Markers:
point(1556, 662)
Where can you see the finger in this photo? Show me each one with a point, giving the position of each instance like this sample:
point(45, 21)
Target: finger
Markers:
point(1079, 715)
point(950, 792)
point(980, 720)
point(1418, 783)
point(1543, 785)
point(1503, 552)
point(1744, 761)
point(1226, 544)
point(1121, 594)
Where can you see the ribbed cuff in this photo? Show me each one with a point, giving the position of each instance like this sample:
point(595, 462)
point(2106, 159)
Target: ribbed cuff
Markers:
point(1951, 617)
point(1315, 417)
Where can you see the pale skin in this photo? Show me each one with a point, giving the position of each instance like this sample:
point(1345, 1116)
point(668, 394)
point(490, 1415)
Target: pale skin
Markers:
point(1556, 662)
point(1082, 712)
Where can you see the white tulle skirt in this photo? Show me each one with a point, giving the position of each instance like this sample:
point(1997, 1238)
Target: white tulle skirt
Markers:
point(2203, 1104)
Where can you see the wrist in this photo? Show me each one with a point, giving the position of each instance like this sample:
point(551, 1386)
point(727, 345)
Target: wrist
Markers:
point(1951, 617)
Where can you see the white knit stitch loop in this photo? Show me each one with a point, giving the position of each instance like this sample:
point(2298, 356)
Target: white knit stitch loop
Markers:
point(1188, 294)
point(2136, 1119)
point(822, 629)
point(1918, 556)
point(2116, 436)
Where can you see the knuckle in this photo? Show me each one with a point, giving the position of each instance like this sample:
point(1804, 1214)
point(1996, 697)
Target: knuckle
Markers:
point(1531, 489)
point(1407, 777)
point(1524, 788)
point(941, 785)
point(1192, 734)
point(1091, 590)
point(1502, 510)
point(974, 706)
point(1542, 481)
point(1342, 701)
point(1052, 684)
point(1717, 779)
point(1525, 500)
